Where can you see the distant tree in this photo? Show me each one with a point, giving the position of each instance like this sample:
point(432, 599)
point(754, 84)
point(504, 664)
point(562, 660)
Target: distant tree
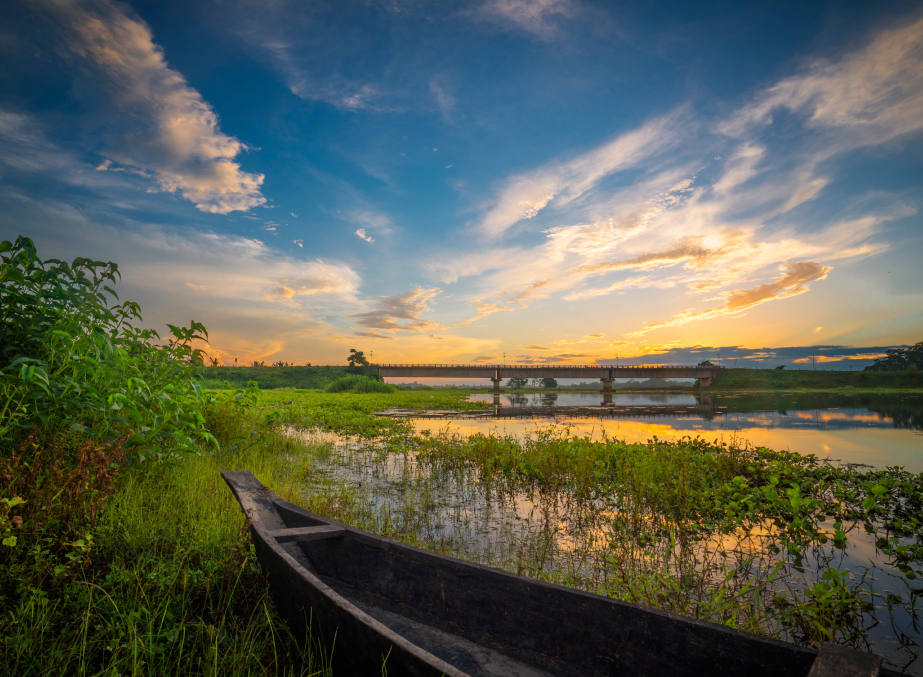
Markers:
point(215, 361)
point(781, 367)
point(258, 364)
point(517, 383)
point(899, 359)
point(357, 358)
point(549, 383)
point(280, 363)
point(706, 363)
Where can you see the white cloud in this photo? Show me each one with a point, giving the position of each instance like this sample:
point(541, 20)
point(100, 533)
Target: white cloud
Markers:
point(560, 183)
point(534, 16)
point(363, 236)
point(299, 71)
point(797, 276)
point(400, 312)
point(740, 167)
point(872, 95)
point(716, 228)
point(158, 124)
point(370, 219)
point(444, 99)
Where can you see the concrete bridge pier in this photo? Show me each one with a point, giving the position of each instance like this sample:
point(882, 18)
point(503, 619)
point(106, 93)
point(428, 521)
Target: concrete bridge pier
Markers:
point(705, 381)
point(607, 385)
point(496, 385)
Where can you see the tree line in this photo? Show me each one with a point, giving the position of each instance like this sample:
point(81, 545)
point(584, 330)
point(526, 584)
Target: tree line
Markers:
point(900, 359)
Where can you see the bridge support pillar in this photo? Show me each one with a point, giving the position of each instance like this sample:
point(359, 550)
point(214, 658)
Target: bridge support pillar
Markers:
point(496, 385)
point(705, 381)
point(607, 385)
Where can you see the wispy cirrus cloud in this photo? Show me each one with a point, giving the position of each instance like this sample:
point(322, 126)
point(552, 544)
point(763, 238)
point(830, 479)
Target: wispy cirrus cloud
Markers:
point(560, 183)
point(873, 94)
point(538, 17)
point(157, 125)
point(795, 281)
point(305, 83)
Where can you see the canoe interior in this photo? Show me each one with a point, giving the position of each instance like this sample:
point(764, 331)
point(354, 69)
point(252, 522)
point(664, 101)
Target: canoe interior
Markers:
point(480, 621)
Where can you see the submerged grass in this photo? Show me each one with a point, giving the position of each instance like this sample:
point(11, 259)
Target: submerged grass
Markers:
point(771, 542)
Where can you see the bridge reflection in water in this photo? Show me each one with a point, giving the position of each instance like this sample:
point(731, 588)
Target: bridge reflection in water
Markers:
point(704, 408)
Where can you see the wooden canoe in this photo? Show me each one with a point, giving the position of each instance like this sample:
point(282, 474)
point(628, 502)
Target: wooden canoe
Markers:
point(375, 601)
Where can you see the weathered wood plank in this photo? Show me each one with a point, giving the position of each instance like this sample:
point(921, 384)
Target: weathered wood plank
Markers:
point(306, 533)
point(841, 661)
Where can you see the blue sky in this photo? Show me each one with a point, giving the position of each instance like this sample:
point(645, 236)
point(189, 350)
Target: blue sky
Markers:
point(545, 180)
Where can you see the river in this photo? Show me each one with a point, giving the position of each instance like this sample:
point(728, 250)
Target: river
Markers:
point(875, 430)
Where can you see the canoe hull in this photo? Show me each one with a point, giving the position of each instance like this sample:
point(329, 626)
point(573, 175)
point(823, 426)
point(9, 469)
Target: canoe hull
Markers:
point(338, 587)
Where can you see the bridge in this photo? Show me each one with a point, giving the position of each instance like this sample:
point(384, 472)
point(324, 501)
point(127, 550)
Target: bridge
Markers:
point(497, 373)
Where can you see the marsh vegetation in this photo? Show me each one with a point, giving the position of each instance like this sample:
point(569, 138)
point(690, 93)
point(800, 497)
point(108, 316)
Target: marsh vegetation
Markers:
point(770, 542)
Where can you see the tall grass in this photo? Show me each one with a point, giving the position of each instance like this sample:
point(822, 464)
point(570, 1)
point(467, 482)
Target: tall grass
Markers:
point(166, 583)
point(358, 384)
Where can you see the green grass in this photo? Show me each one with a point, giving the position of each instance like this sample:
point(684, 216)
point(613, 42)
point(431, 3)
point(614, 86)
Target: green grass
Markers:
point(770, 379)
point(353, 413)
point(166, 583)
point(269, 378)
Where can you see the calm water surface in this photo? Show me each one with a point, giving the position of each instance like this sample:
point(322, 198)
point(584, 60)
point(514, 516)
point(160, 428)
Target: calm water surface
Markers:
point(874, 430)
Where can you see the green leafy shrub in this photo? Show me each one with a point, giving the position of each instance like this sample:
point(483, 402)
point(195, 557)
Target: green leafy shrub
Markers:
point(71, 362)
point(358, 384)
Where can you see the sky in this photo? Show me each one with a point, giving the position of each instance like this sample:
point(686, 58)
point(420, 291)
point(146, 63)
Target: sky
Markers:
point(519, 181)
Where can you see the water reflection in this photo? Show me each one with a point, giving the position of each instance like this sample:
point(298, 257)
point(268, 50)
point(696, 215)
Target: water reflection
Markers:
point(869, 429)
point(561, 538)
point(818, 409)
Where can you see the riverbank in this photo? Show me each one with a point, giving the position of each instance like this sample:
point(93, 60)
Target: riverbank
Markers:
point(161, 581)
point(772, 379)
point(319, 377)
point(269, 377)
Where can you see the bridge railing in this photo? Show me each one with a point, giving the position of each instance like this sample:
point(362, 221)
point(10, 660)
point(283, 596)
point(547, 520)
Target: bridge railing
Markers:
point(553, 366)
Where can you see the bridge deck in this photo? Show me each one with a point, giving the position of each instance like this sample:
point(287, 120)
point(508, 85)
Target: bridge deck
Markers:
point(505, 371)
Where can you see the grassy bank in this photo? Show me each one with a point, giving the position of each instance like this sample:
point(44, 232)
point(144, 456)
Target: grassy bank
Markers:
point(163, 583)
point(771, 379)
point(268, 378)
point(318, 378)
